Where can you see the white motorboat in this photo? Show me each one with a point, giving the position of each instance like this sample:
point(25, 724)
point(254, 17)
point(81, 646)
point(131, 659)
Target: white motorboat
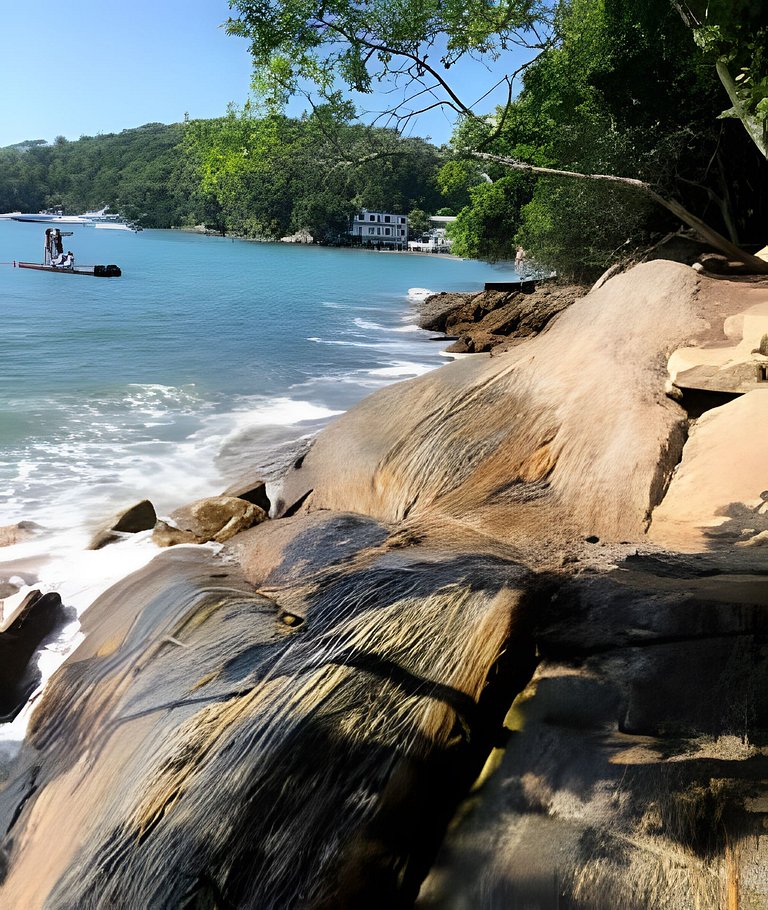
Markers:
point(50, 218)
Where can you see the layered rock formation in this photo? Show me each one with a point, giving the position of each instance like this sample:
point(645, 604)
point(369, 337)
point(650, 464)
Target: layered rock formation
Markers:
point(458, 585)
point(495, 319)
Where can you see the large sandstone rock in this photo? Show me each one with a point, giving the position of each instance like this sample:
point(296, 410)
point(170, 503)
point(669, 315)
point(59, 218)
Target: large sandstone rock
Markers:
point(300, 746)
point(728, 360)
point(139, 517)
point(568, 435)
point(216, 518)
point(717, 495)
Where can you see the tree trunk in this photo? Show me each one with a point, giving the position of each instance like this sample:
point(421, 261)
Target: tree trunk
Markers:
point(711, 236)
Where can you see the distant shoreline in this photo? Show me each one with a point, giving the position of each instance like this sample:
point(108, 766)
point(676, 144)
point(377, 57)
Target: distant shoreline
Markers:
point(208, 233)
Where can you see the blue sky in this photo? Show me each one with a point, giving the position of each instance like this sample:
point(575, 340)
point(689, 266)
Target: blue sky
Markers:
point(100, 66)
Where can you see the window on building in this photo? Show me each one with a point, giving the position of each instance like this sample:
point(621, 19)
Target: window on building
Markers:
point(372, 217)
point(402, 221)
point(371, 230)
point(387, 231)
point(378, 230)
point(386, 219)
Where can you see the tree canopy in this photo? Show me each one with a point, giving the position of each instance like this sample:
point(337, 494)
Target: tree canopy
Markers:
point(410, 43)
point(611, 87)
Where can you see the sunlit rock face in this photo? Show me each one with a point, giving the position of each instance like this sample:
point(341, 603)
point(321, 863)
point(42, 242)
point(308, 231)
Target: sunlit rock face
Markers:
point(567, 435)
point(294, 721)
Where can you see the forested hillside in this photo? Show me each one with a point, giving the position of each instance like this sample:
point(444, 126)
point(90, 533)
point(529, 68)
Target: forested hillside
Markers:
point(140, 172)
point(257, 176)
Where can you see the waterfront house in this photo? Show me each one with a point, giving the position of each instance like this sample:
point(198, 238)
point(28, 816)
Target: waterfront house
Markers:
point(380, 229)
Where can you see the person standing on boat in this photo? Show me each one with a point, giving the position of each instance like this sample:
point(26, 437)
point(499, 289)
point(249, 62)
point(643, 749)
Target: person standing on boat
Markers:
point(53, 245)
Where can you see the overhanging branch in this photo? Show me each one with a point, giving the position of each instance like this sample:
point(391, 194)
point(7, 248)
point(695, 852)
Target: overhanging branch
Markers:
point(710, 235)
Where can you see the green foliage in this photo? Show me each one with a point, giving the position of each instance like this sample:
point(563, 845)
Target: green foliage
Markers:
point(418, 222)
point(300, 42)
point(734, 34)
point(625, 93)
point(252, 173)
point(270, 175)
point(139, 173)
point(486, 227)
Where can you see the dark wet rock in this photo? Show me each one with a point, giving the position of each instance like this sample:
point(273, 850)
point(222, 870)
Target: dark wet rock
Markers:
point(251, 489)
point(215, 518)
point(139, 517)
point(39, 617)
point(434, 310)
point(474, 343)
point(717, 264)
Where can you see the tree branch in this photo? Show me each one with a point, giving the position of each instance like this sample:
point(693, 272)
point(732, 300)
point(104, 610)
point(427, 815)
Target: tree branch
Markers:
point(710, 235)
point(751, 124)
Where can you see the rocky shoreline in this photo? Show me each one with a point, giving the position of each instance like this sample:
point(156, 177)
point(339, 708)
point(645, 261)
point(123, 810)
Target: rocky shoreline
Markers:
point(503, 641)
point(495, 320)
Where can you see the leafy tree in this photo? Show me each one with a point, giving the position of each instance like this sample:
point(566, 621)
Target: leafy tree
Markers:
point(734, 34)
point(612, 96)
point(418, 222)
point(414, 43)
point(624, 93)
point(486, 228)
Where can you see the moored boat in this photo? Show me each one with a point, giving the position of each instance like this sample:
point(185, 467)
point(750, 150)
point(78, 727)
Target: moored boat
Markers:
point(48, 218)
point(95, 271)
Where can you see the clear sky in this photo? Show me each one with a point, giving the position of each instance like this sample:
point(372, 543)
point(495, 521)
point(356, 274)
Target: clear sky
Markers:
point(101, 66)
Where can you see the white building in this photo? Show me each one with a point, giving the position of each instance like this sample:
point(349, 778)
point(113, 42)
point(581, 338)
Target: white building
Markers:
point(379, 229)
point(436, 239)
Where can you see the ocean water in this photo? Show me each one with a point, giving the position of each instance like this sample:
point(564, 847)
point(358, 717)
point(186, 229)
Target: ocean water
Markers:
point(206, 359)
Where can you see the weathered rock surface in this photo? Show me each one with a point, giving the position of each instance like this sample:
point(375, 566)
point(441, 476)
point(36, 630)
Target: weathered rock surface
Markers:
point(489, 319)
point(568, 435)
point(139, 517)
point(717, 495)
point(276, 740)
point(728, 359)
point(293, 723)
point(215, 518)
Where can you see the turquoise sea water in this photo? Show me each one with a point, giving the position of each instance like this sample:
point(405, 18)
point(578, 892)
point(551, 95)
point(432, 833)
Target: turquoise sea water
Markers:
point(208, 357)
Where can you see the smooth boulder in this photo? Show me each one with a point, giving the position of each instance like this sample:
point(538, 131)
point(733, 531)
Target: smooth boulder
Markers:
point(215, 518)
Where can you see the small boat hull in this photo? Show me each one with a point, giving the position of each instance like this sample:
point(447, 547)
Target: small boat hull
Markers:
point(95, 271)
